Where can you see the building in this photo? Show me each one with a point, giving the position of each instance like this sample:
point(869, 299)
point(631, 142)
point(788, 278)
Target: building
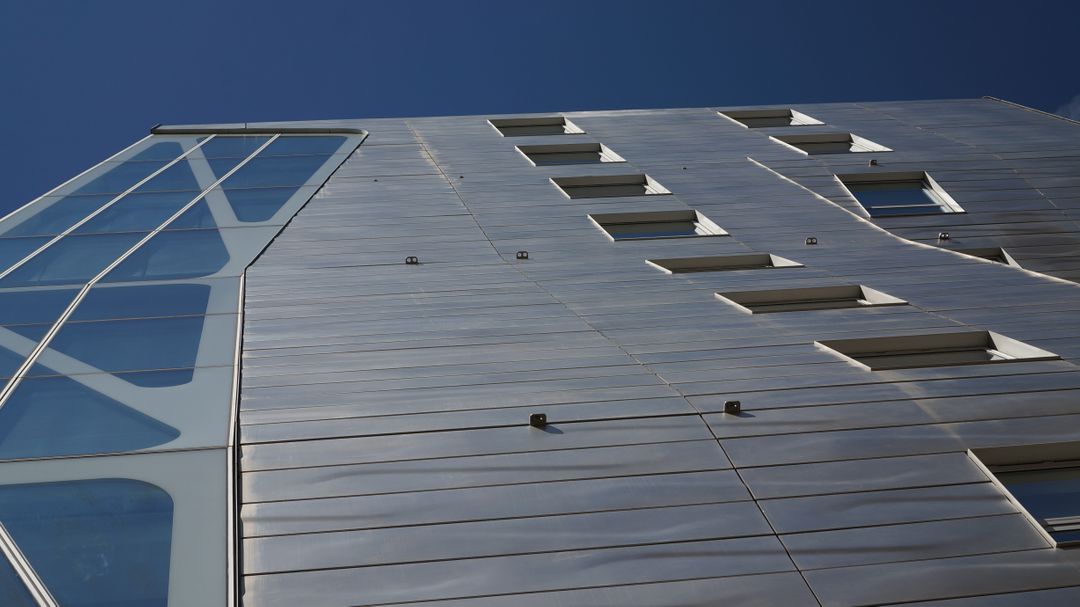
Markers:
point(806, 355)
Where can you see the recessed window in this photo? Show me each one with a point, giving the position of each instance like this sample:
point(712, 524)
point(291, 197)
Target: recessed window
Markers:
point(996, 254)
point(719, 263)
point(542, 125)
point(1043, 482)
point(811, 298)
point(938, 350)
point(656, 224)
point(829, 143)
point(893, 194)
point(609, 185)
point(569, 153)
point(756, 119)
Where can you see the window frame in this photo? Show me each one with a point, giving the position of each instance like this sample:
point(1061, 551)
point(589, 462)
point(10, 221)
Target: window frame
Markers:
point(796, 118)
point(864, 145)
point(944, 202)
point(650, 217)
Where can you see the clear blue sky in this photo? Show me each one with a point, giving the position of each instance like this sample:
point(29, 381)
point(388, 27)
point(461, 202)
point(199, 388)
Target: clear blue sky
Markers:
point(82, 79)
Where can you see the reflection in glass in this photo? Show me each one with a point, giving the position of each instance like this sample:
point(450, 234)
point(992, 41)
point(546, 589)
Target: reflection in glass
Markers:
point(93, 543)
point(132, 344)
point(12, 590)
point(197, 217)
point(259, 204)
point(53, 416)
point(137, 212)
point(142, 301)
point(74, 259)
point(34, 306)
point(162, 150)
point(233, 146)
point(13, 250)
point(1052, 496)
point(273, 171)
point(54, 215)
point(9, 364)
point(174, 255)
point(117, 177)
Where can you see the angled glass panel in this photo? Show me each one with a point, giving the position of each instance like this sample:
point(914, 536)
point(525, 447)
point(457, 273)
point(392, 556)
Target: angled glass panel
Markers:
point(115, 177)
point(273, 171)
point(9, 364)
point(54, 416)
point(142, 301)
point(12, 590)
point(161, 150)
point(1049, 495)
point(174, 255)
point(34, 306)
point(137, 212)
point(13, 250)
point(178, 177)
point(131, 344)
point(74, 259)
point(94, 543)
point(54, 215)
point(232, 146)
point(291, 145)
point(198, 217)
point(32, 332)
point(258, 204)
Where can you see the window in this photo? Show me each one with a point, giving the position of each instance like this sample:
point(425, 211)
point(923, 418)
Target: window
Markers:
point(812, 298)
point(829, 143)
point(1042, 481)
point(756, 119)
point(569, 153)
point(543, 125)
point(605, 186)
point(937, 350)
point(892, 194)
point(657, 224)
point(996, 254)
point(752, 261)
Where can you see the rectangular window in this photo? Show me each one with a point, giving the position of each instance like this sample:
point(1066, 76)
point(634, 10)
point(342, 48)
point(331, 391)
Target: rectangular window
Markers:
point(569, 153)
point(609, 185)
point(937, 350)
point(996, 254)
point(719, 263)
point(811, 298)
point(541, 125)
point(829, 143)
point(756, 119)
point(893, 194)
point(1042, 481)
point(656, 224)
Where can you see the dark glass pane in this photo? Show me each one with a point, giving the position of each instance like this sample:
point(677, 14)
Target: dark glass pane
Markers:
point(133, 344)
point(197, 217)
point(158, 379)
point(893, 193)
point(94, 543)
point(893, 211)
point(143, 301)
point(657, 229)
point(52, 416)
point(74, 259)
point(321, 145)
point(275, 171)
point(59, 215)
point(31, 332)
point(9, 364)
point(162, 150)
point(34, 307)
point(1046, 493)
point(174, 255)
point(13, 250)
point(137, 212)
point(258, 204)
point(233, 146)
point(178, 177)
point(13, 592)
point(118, 177)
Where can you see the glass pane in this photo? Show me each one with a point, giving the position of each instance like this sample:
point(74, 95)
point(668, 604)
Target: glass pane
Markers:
point(322, 145)
point(259, 204)
point(32, 332)
point(13, 250)
point(137, 212)
point(660, 229)
point(74, 259)
point(178, 177)
point(142, 301)
point(161, 150)
point(9, 364)
point(33, 307)
point(53, 416)
point(12, 590)
point(232, 146)
point(197, 217)
point(1047, 494)
point(94, 543)
point(58, 214)
point(174, 255)
point(118, 177)
point(275, 171)
point(132, 344)
point(891, 193)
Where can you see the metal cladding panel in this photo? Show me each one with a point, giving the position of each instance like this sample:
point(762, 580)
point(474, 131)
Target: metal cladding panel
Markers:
point(388, 454)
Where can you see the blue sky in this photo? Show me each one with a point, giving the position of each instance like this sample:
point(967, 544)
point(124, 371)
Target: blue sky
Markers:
point(84, 79)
